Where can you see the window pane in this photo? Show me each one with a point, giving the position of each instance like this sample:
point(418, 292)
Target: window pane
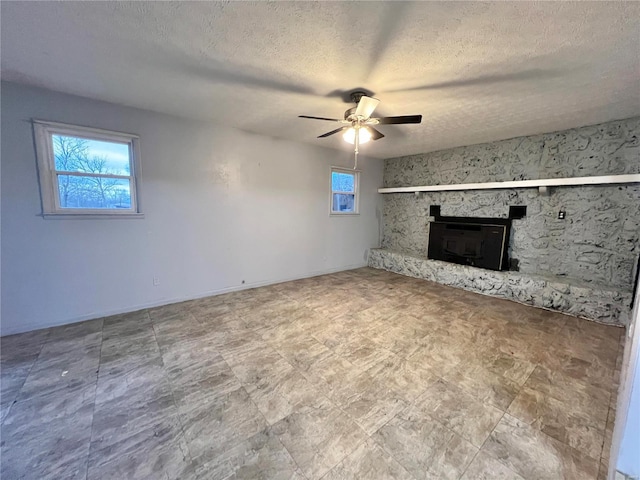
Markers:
point(75, 154)
point(93, 192)
point(342, 182)
point(343, 202)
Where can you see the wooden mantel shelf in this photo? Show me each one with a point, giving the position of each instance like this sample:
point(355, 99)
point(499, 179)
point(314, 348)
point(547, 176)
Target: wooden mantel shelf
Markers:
point(548, 182)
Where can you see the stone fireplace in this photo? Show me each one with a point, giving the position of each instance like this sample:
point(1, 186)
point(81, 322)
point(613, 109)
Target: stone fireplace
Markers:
point(574, 251)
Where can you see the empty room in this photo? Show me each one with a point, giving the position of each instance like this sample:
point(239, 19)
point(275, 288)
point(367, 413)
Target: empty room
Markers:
point(320, 240)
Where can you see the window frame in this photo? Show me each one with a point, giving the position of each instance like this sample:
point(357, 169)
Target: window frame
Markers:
point(355, 193)
point(48, 175)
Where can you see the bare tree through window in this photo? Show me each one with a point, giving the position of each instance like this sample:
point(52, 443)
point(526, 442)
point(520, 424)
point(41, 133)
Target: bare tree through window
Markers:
point(75, 156)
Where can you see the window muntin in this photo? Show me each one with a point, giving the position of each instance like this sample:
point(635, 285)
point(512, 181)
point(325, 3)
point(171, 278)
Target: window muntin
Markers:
point(86, 171)
point(344, 191)
point(75, 191)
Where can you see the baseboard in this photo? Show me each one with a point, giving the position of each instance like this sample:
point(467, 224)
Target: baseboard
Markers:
point(5, 331)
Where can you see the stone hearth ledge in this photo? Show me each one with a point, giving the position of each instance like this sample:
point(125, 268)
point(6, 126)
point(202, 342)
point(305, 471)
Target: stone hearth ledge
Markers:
point(591, 301)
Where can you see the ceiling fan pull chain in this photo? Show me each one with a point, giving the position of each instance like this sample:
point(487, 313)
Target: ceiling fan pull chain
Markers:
point(356, 143)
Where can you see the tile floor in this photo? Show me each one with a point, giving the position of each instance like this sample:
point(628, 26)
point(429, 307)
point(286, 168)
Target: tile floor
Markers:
point(360, 374)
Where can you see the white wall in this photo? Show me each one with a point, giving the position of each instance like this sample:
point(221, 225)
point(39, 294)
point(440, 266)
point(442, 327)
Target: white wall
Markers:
point(221, 206)
point(628, 460)
point(626, 435)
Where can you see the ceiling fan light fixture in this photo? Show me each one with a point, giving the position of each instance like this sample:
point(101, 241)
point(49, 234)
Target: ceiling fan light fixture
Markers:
point(349, 135)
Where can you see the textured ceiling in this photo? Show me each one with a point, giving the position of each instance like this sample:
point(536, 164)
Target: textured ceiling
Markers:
point(476, 71)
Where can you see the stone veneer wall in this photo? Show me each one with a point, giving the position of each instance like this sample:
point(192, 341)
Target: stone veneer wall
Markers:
point(595, 247)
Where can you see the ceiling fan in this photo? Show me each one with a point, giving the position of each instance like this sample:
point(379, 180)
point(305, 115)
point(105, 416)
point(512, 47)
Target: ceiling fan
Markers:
point(358, 123)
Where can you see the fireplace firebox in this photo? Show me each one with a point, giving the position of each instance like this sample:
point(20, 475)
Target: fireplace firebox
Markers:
point(479, 242)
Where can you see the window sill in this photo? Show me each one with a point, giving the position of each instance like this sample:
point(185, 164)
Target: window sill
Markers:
point(90, 216)
point(345, 214)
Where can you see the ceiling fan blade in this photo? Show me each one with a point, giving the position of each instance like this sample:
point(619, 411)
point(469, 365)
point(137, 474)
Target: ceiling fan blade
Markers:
point(321, 118)
point(399, 120)
point(332, 132)
point(366, 106)
point(375, 134)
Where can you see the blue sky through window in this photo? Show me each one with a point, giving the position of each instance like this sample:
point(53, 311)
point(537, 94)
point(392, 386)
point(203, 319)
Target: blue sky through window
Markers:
point(81, 154)
point(342, 182)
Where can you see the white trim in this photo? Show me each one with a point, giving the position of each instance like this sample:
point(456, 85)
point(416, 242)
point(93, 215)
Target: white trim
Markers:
point(95, 175)
point(73, 129)
point(343, 214)
point(168, 301)
point(548, 182)
point(48, 175)
point(355, 193)
point(84, 215)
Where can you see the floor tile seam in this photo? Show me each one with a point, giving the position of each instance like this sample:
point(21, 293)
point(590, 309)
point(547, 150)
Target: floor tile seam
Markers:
point(268, 427)
point(393, 418)
point(242, 386)
point(523, 420)
point(337, 406)
point(302, 373)
point(125, 338)
point(606, 364)
point(475, 455)
point(269, 346)
point(347, 455)
point(604, 438)
point(622, 341)
point(132, 434)
point(570, 378)
point(571, 449)
point(283, 358)
point(173, 397)
point(353, 419)
point(310, 379)
point(416, 400)
point(182, 411)
point(391, 453)
point(521, 387)
point(506, 412)
point(465, 391)
point(538, 429)
point(605, 405)
point(126, 371)
point(363, 334)
point(19, 390)
point(391, 353)
point(171, 320)
point(484, 401)
point(93, 411)
point(197, 463)
point(481, 449)
point(130, 338)
point(36, 357)
point(286, 450)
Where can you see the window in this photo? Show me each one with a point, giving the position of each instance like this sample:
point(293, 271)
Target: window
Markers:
point(344, 191)
point(85, 170)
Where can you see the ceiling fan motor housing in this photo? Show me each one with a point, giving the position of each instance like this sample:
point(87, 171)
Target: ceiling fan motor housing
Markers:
point(349, 112)
point(357, 95)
